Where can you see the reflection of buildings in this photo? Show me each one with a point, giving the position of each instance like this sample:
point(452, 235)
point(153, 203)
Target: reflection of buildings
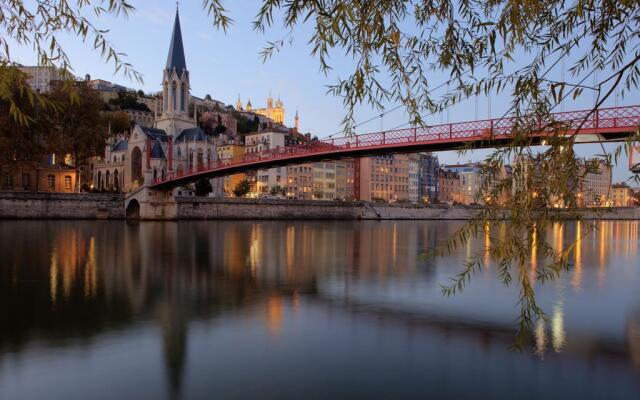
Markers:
point(104, 276)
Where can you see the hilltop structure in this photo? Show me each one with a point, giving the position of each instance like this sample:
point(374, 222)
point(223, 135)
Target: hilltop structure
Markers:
point(174, 144)
point(274, 113)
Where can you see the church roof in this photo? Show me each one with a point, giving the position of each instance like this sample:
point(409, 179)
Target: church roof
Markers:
point(176, 59)
point(120, 146)
point(192, 134)
point(155, 133)
point(156, 150)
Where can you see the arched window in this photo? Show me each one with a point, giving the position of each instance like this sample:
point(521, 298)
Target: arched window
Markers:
point(116, 181)
point(165, 99)
point(136, 165)
point(183, 96)
point(163, 174)
point(155, 174)
point(200, 161)
point(108, 179)
point(174, 96)
point(190, 166)
point(208, 157)
point(99, 183)
point(179, 152)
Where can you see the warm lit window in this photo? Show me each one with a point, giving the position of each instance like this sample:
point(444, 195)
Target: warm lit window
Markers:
point(51, 182)
point(67, 182)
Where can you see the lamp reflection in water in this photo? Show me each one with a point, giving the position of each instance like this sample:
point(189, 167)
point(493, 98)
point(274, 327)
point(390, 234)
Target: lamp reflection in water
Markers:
point(541, 338)
point(558, 335)
point(576, 280)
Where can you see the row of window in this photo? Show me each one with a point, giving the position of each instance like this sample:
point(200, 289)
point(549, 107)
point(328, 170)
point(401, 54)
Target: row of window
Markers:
point(27, 183)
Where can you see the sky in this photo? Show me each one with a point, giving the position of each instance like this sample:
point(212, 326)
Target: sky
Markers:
point(228, 65)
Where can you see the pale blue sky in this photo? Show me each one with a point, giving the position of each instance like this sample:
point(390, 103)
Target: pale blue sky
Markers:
point(225, 65)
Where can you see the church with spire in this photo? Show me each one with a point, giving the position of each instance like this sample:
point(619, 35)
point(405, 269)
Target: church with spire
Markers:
point(174, 145)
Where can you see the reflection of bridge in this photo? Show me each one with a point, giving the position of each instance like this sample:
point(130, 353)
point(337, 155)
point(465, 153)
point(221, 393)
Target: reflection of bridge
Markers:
point(608, 124)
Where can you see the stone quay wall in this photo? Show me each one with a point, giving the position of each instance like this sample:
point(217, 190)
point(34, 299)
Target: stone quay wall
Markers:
point(26, 205)
point(211, 208)
point(30, 205)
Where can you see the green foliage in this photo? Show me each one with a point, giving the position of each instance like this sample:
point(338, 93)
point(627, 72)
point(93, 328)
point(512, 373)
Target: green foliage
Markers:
point(128, 101)
point(246, 125)
point(119, 121)
point(78, 128)
point(242, 188)
point(39, 25)
point(73, 127)
point(277, 191)
point(203, 187)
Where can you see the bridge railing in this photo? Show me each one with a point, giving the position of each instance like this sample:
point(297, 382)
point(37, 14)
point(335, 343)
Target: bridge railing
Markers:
point(569, 121)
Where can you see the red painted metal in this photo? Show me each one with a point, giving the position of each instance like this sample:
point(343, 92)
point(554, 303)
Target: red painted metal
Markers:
point(618, 120)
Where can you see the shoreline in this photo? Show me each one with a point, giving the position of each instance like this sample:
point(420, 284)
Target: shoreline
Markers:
point(108, 206)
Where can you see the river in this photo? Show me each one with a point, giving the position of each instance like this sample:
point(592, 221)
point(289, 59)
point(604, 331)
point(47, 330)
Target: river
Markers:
point(105, 310)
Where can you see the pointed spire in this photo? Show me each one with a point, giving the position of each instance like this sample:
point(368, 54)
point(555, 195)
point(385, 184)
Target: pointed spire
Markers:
point(176, 59)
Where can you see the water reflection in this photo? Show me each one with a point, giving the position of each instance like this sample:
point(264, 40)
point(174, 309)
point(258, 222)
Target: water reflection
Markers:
point(90, 279)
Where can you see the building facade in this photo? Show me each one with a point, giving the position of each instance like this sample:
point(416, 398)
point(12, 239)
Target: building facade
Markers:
point(324, 180)
point(38, 177)
point(414, 179)
point(300, 182)
point(174, 145)
point(428, 177)
point(41, 79)
point(274, 112)
point(595, 188)
point(449, 187)
point(470, 182)
point(622, 195)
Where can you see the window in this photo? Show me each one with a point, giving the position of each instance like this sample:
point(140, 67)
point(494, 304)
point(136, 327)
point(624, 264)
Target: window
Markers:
point(67, 182)
point(26, 181)
point(51, 182)
point(8, 180)
point(136, 165)
point(183, 97)
point(200, 160)
point(174, 96)
point(166, 96)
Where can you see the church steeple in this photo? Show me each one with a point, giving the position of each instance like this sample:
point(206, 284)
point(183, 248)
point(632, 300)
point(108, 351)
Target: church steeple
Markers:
point(175, 82)
point(176, 59)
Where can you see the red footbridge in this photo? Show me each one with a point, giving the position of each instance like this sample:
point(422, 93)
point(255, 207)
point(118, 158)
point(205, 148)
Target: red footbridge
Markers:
point(605, 124)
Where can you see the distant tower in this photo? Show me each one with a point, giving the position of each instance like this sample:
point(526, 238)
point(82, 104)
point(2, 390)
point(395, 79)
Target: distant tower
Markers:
point(239, 104)
point(297, 122)
point(249, 108)
point(269, 101)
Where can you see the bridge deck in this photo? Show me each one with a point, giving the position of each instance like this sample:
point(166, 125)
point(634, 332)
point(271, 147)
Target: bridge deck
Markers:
point(612, 124)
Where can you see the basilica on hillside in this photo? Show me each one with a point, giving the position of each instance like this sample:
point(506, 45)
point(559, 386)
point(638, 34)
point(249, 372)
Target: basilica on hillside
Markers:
point(175, 144)
point(276, 114)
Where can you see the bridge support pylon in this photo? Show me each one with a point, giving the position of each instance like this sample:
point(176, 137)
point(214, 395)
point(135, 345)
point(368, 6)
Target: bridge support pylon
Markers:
point(146, 203)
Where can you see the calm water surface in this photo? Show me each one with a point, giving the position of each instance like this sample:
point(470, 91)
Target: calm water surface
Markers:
point(105, 310)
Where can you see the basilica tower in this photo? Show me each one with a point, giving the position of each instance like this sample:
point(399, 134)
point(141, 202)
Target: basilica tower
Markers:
point(175, 87)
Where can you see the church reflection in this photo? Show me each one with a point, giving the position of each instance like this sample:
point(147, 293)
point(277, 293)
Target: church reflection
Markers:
point(93, 277)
